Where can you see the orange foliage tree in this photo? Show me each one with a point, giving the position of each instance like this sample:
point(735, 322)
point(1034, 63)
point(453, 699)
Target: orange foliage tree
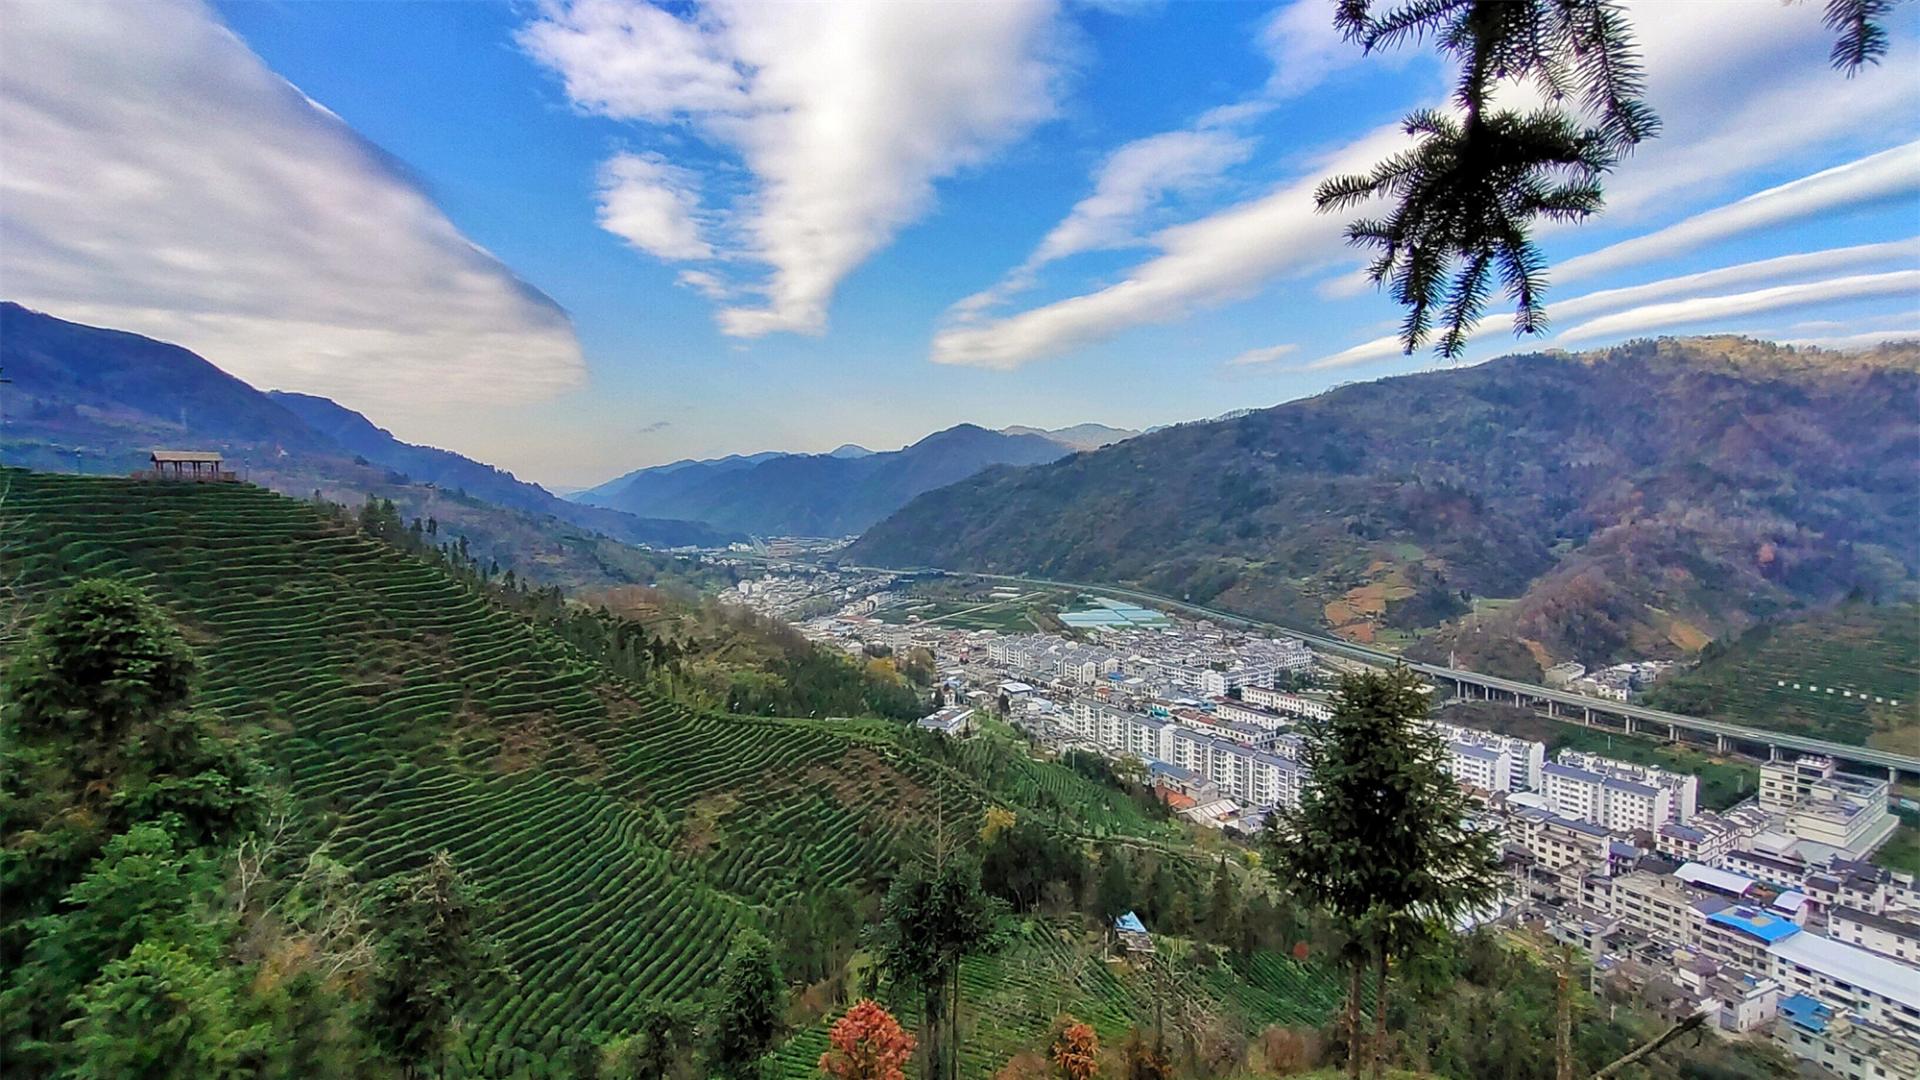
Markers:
point(868, 1044)
point(1076, 1050)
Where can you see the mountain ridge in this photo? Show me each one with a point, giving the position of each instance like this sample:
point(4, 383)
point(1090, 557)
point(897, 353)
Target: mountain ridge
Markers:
point(103, 398)
point(817, 494)
point(1632, 501)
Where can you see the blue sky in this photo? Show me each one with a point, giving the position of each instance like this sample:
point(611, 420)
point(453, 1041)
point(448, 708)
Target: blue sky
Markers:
point(576, 238)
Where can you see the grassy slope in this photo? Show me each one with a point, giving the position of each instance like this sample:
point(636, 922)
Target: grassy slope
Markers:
point(1871, 651)
point(410, 715)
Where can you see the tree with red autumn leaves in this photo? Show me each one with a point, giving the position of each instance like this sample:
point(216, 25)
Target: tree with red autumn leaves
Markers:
point(868, 1044)
point(1076, 1049)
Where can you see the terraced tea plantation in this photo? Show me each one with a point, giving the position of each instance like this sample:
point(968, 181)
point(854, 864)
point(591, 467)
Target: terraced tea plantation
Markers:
point(411, 715)
point(619, 837)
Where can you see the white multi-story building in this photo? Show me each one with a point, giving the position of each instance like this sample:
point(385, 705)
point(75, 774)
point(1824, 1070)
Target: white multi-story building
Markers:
point(1618, 804)
point(1848, 978)
point(1228, 709)
point(1238, 771)
point(1683, 789)
point(1479, 766)
point(1525, 757)
point(1825, 806)
point(1884, 934)
point(1285, 701)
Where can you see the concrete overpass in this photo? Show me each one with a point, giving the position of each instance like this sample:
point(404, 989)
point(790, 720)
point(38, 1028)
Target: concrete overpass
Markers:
point(1562, 704)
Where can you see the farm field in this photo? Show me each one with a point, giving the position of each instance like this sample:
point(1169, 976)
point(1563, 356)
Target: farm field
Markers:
point(618, 838)
point(1850, 674)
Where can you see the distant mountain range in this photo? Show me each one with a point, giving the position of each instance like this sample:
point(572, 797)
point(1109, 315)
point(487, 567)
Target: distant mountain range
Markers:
point(832, 494)
point(100, 400)
point(835, 494)
point(1638, 501)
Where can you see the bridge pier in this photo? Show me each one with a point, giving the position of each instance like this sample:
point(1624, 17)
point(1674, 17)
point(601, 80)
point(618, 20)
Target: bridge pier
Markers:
point(1629, 720)
point(1586, 716)
point(1719, 744)
point(1673, 733)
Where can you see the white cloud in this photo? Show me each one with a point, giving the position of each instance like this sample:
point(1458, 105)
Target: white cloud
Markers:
point(1261, 358)
point(1640, 320)
point(1306, 47)
point(845, 113)
point(1887, 175)
point(1133, 180)
point(1699, 58)
point(155, 176)
point(1866, 339)
point(1225, 256)
point(1777, 269)
point(653, 205)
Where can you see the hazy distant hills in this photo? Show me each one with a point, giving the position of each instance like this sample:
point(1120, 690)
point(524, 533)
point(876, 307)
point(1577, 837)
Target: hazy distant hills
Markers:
point(101, 400)
point(818, 494)
point(1636, 501)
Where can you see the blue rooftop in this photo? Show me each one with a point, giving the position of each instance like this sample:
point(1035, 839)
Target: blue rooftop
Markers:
point(1130, 924)
point(1805, 1012)
point(1756, 923)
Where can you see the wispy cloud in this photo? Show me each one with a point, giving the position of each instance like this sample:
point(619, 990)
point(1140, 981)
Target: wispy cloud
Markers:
point(1131, 181)
point(1145, 174)
point(160, 178)
point(1694, 54)
point(1780, 268)
point(1258, 358)
point(1220, 257)
point(845, 114)
point(1706, 309)
point(653, 205)
point(1887, 175)
point(1866, 339)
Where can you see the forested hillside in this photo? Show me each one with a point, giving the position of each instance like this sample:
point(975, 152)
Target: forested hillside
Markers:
point(1637, 501)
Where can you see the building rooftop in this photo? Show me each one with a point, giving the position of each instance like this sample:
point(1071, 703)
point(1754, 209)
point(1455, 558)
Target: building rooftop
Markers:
point(1755, 923)
point(1568, 772)
point(1721, 881)
point(1847, 963)
point(1803, 1011)
point(187, 456)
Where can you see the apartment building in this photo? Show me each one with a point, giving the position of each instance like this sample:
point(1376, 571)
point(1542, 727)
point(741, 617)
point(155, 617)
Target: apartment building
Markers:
point(1824, 805)
point(1851, 979)
point(1525, 757)
point(1884, 934)
point(1479, 766)
point(1259, 715)
point(1845, 1045)
point(1615, 803)
point(1740, 936)
point(1662, 907)
point(1683, 789)
point(1285, 701)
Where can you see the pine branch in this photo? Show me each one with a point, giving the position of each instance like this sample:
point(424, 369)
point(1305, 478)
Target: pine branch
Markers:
point(1862, 39)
